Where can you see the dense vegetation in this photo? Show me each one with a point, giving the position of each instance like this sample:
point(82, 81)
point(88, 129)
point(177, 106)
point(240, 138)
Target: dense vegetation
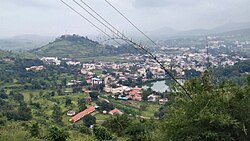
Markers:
point(34, 104)
point(217, 112)
point(235, 73)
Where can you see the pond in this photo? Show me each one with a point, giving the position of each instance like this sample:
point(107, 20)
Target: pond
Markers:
point(158, 86)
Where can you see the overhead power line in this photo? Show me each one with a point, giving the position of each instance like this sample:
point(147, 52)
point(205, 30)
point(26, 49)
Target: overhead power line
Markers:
point(109, 26)
point(164, 68)
point(87, 20)
point(132, 23)
point(123, 37)
point(101, 17)
point(167, 71)
point(103, 32)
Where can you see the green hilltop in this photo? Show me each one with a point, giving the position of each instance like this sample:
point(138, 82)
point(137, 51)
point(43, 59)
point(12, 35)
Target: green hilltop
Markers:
point(78, 47)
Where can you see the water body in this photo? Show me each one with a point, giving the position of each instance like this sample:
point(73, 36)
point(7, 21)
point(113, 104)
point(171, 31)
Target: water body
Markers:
point(158, 86)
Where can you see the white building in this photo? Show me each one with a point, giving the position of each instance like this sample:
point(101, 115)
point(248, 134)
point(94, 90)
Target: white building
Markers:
point(51, 60)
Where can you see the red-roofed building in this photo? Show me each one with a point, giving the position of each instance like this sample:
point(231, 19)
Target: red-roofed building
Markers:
point(115, 111)
point(89, 81)
point(135, 93)
point(129, 96)
point(82, 114)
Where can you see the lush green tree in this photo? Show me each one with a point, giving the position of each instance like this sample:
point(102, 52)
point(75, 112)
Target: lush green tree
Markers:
point(77, 89)
point(138, 132)
point(57, 114)
point(118, 124)
point(64, 81)
point(3, 120)
point(52, 93)
point(139, 81)
point(146, 93)
point(89, 120)
point(31, 98)
point(101, 133)
point(34, 130)
point(82, 107)
point(36, 105)
point(18, 97)
point(41, 94)
point(68, 102)
point(24, 112)
point(59, 91)
point(99, 87)
point(36, 84)
point(192, 73)
point(84, 83)
point(216, 112)
point(84, 130)
point(104, 105)
point(57, 134)
point(81, 104)
point(94, 95)
point(3, 95)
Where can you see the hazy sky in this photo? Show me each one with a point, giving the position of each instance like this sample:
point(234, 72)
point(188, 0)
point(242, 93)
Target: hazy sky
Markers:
point(52, 18)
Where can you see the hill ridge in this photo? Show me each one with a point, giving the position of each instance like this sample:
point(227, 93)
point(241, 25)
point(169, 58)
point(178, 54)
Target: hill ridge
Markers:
point(78, 47)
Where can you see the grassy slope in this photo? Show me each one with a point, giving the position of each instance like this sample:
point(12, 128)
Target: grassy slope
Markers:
point(77, 47)
point(67, 48)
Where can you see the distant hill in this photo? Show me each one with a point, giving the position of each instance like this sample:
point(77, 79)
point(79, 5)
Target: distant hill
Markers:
point(236, 35)
point(16, 54)
point(240, 32)
point(231, 26)
point(78, 47)
point(167, 32)
point(24, 42)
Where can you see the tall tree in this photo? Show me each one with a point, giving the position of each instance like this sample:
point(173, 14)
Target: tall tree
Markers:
point(34, 130)
point(81, 104)
point(57, 134)
point(118, 124)
point(68, 102)
point(24, 112)
point(146, 93)
point(138, 132)
point(94, 95)
point(89, 120)
point(57, 114)
point(101, 133)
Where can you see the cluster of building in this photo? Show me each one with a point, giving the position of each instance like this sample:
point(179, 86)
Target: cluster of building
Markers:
point(51, 60)
point(117, 77)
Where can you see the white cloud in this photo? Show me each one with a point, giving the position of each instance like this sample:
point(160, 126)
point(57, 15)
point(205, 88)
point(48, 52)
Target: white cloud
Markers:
point(52, 17)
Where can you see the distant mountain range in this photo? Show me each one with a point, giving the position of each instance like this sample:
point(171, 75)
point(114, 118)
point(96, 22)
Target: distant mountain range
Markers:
point(30, 42)
point(167, 32)
point(241, 32)
point(24, 42)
